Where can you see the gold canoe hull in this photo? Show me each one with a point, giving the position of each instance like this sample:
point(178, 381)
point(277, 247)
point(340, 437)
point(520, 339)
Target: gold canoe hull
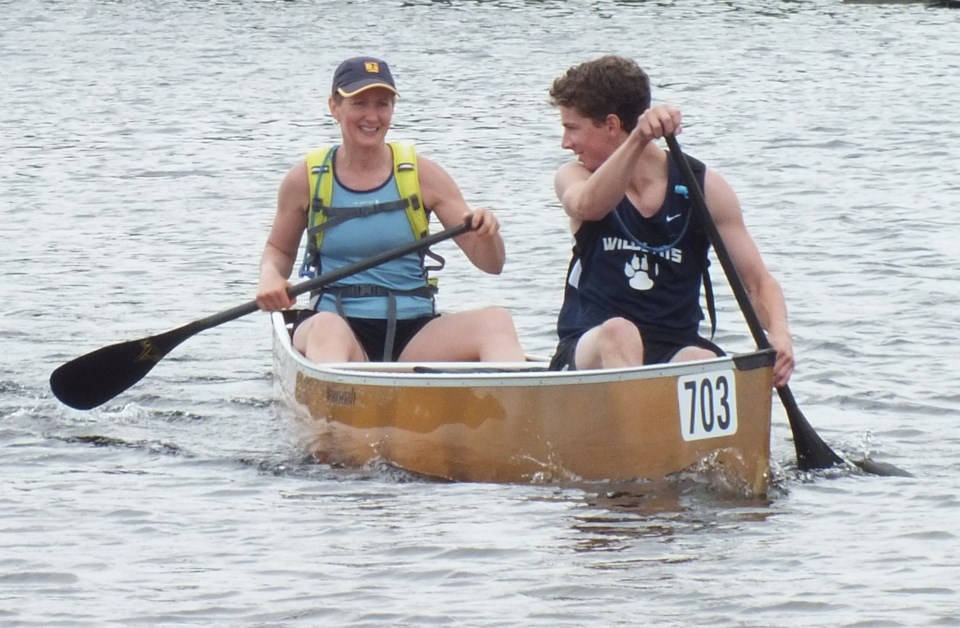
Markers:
point(517, 422)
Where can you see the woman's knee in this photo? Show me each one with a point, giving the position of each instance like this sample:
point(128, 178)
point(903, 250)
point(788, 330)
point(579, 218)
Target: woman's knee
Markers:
point(498, 319)
point(321, 323)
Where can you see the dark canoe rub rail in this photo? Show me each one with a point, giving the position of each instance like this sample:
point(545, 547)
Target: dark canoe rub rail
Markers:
point(756, 360)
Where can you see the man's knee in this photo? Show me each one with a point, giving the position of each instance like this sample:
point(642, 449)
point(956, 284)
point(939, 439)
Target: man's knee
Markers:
point(691, 353)
point(618, 332)
point(614, 343)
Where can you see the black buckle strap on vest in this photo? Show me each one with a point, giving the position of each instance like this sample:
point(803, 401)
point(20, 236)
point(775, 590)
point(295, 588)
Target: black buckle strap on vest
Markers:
point(353, 291)
point(337, 215)
point(365, 210)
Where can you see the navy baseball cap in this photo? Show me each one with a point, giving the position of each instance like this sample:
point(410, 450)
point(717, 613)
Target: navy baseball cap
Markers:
point(361, 73)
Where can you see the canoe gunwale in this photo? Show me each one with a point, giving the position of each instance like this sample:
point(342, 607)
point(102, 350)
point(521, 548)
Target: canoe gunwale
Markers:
point(473, 374)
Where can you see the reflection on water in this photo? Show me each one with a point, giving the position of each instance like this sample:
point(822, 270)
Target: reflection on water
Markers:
point(614, 517)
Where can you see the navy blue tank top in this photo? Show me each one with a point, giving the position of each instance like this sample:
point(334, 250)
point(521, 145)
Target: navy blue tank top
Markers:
point(647, 270)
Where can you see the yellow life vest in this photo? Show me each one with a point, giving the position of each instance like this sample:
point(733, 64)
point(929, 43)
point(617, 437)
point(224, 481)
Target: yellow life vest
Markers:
point(323, 215)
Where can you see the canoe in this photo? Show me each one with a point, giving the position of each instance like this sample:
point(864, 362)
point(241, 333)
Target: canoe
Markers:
point(514, 422)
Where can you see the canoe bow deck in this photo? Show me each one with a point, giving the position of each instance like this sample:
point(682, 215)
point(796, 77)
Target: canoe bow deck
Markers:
point(518, 422)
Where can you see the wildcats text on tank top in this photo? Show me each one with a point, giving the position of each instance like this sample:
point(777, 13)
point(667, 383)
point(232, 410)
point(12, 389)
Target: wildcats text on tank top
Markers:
point(624, 266)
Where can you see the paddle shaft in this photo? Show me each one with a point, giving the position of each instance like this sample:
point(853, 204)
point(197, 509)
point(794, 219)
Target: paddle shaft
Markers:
point(328, 278)
point(812, 452)
point(700, 206)
point(96, 377)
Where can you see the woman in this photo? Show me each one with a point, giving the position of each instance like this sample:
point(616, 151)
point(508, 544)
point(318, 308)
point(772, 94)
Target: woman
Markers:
point(359, 199)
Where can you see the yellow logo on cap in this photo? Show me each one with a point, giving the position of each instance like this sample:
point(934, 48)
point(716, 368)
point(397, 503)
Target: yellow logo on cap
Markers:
point(372, 67)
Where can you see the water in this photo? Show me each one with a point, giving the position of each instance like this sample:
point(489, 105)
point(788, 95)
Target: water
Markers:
point(142, 147)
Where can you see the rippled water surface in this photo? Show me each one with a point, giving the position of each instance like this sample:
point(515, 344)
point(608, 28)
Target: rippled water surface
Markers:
point(142, 148)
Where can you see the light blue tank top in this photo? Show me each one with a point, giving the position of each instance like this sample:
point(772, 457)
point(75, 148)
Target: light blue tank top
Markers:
point(362, 237)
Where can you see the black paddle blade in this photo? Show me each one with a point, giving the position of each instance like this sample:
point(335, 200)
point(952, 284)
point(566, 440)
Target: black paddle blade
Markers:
point(92, 379)
point(876, 467)
point(812, 452)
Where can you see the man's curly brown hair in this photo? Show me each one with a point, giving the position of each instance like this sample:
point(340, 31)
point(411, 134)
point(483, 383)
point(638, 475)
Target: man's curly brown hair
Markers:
point(597, 88)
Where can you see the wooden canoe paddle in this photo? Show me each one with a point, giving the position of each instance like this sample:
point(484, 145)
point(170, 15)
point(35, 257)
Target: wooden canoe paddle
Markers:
point(812, 451)
point(92, 379)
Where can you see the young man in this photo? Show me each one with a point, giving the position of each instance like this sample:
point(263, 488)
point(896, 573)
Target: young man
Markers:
point(633, 286)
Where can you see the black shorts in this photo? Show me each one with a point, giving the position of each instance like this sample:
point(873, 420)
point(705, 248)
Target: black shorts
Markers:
point(659, 347)
point(371, 333)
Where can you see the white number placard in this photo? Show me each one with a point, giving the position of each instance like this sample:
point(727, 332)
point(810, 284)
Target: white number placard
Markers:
point(708, 405)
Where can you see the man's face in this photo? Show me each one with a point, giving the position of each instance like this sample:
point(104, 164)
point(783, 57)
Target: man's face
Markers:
point(589, 141)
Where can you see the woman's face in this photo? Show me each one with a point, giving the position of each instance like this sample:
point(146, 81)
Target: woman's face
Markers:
point(364, 118)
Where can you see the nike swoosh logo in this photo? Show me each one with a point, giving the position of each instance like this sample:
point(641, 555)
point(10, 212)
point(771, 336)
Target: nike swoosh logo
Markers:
point(672, 218)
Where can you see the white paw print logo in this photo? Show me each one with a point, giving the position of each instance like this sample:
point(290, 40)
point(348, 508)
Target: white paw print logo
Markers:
point(640, 273)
